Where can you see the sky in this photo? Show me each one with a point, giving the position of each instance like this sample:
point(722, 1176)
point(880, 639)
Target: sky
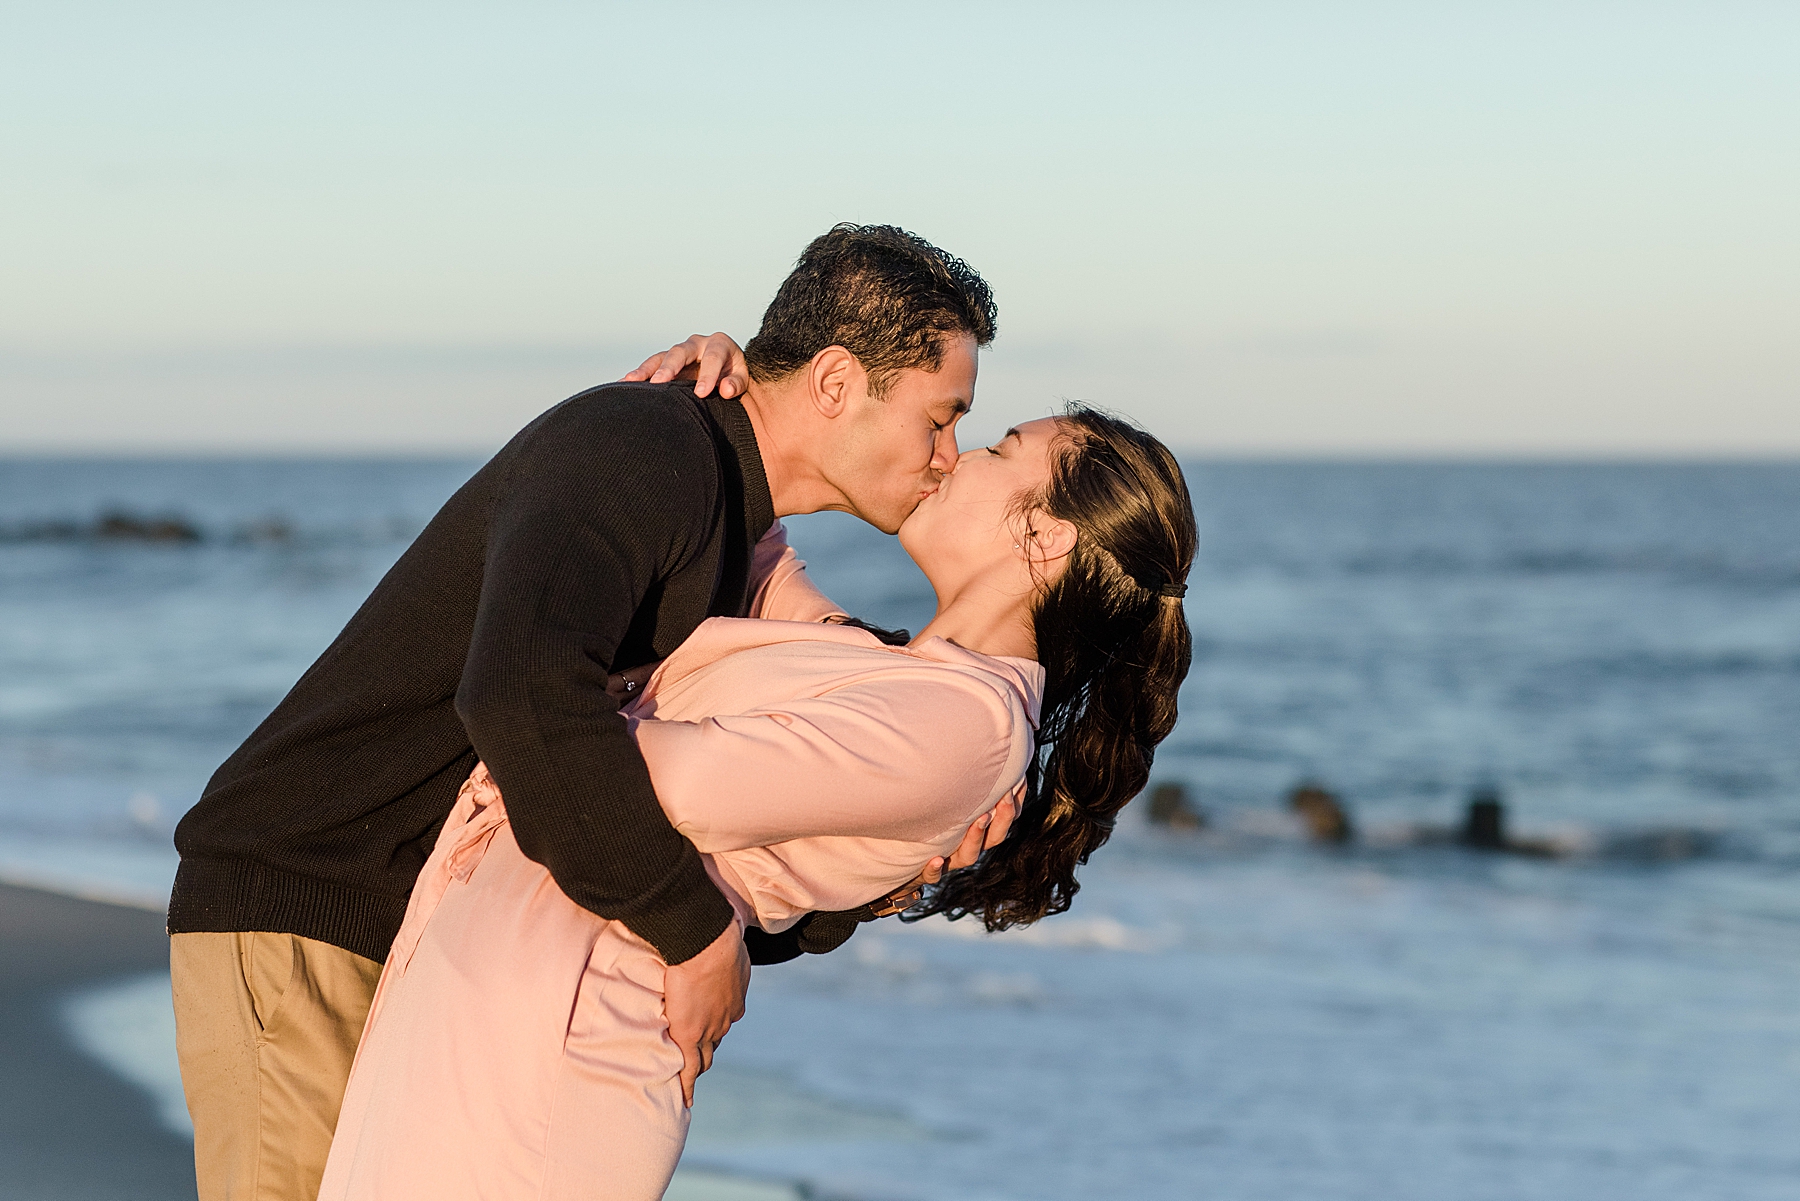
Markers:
point(1280, 229)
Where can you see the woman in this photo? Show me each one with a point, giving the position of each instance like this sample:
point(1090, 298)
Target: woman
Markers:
point(517, 1047)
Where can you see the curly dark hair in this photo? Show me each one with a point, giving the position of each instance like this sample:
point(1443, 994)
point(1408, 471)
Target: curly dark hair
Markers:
point(1114, 642)
point(887, 296)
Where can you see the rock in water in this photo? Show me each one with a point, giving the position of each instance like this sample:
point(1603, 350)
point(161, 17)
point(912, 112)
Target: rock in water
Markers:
point(121, 526)
point(1484, 828)
point(1169, 806)
point(1322, 812)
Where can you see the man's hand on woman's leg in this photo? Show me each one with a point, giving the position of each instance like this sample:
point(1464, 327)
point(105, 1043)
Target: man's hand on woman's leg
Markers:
point(702, 997)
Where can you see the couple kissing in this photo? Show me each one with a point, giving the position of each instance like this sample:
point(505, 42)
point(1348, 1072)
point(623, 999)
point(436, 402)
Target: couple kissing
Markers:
point(469, 912)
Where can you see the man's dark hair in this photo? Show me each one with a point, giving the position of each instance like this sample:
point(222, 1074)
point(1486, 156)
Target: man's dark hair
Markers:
point(885, 295)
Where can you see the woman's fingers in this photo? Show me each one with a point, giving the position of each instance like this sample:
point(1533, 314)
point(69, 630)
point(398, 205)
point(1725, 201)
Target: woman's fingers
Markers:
point(642, 371)
point(721, 365)
point(715, 358)
point(661, 368)
point(711, 361)
point(679, 360)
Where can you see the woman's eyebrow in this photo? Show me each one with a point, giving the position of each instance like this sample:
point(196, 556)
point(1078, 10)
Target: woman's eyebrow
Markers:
point(1012, 433)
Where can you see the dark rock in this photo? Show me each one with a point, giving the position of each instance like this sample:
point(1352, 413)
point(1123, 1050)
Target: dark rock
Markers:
point(1484, 829)
point(1169, 806)
point(114, 525)
point(1485, 826)
point(119, 525)
point(1322, 812)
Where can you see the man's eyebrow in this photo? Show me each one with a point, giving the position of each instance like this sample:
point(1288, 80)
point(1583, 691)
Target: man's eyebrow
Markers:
point(959, 406)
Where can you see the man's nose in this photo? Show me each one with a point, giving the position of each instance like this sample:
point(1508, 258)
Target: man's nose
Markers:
point(943, 452)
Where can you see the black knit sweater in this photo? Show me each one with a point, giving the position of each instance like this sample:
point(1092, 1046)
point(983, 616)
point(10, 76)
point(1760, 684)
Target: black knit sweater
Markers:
point(596, 540)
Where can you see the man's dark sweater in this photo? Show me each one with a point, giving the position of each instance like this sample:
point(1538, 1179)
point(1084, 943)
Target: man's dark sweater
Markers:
point(596, 540)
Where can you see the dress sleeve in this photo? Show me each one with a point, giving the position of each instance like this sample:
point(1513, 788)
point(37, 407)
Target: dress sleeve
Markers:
point(780, 588)
point(907, 756)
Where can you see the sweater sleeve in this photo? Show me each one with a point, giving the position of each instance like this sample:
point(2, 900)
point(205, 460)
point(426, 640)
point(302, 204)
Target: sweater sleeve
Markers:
point(575, 544)
point(906, 756)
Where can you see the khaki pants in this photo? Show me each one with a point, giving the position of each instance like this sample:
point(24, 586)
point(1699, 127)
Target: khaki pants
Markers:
point(266, 1027)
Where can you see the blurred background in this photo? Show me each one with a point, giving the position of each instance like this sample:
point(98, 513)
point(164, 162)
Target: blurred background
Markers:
point(1470, 871)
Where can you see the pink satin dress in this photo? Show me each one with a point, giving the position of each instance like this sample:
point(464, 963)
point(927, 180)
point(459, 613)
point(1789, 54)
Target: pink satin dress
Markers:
point(517, 1046)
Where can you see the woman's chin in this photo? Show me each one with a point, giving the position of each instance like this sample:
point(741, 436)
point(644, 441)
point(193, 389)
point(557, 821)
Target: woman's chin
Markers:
point(915, 536)
point(909, 531)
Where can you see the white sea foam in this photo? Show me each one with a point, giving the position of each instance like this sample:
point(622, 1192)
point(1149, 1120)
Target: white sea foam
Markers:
point(1070, 932)
point(130, 1027)
point(118, 872)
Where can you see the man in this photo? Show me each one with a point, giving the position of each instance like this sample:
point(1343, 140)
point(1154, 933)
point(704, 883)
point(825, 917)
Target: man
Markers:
point(596, 541)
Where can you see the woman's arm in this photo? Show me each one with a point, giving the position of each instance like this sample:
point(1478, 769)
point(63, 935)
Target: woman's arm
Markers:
point(912, 755)
point(780, 588)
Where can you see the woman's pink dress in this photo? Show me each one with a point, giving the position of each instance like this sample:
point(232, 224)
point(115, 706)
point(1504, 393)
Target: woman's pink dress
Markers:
point(517, 1047)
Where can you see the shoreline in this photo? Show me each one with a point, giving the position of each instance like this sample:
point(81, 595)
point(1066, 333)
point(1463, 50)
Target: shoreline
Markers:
point(69, 1127)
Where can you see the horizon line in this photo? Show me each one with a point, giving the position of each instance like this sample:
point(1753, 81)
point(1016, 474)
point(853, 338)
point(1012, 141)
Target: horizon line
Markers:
point(1372, 456)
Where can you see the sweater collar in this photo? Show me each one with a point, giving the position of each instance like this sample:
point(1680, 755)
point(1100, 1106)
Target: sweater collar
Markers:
point(759, 505)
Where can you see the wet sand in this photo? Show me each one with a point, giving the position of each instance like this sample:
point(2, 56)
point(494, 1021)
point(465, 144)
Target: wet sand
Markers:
point(69, 1129)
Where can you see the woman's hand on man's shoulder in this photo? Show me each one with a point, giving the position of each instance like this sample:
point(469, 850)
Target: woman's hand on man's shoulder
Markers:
point(711, 361)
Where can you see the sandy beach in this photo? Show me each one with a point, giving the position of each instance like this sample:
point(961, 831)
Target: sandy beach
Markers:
point(73, 1130)
point(69, 1129)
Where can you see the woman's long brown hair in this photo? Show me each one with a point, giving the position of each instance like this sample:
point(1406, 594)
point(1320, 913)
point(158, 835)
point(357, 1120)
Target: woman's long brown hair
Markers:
point(1114, 642)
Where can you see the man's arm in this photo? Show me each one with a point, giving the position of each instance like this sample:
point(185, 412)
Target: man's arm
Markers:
point(603, 501)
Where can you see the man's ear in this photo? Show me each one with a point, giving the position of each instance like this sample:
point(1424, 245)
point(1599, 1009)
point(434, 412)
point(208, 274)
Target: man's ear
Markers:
point(831, 378)
point(1050, 541)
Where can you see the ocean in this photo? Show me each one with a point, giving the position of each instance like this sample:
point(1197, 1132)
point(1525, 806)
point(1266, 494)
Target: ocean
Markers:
point(1609, 1010)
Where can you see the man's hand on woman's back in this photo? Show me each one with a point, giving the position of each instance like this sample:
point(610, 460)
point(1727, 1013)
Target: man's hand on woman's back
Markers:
point(988, 831)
